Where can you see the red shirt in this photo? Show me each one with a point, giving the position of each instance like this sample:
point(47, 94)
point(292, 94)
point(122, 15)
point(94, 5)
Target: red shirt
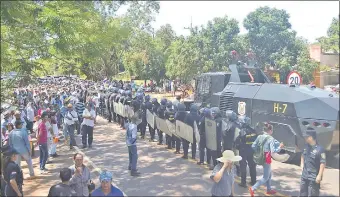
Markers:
point(42, 131)
point(268, 157)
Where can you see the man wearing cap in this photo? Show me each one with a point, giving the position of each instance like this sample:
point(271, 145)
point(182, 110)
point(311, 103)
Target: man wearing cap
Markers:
point(17, 116)
point(70, 120)
point(106, 188)
point(223, 174)
point(313, 163)
point(18, 139)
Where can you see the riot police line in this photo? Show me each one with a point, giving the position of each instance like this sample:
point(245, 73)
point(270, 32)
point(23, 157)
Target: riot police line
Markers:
point(213, 132)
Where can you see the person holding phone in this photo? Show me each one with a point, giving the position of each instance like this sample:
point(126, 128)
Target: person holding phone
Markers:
point(81, 177)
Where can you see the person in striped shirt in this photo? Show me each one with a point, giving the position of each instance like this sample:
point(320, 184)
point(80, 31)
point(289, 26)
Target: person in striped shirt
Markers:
point(80, 107)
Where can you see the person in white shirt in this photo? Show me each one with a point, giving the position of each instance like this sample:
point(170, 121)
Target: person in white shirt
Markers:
point(70, 119)
point(30, 117)
point(89, 117)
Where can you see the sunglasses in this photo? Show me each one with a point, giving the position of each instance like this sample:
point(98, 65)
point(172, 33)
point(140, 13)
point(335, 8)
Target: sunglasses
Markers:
point(106, 181)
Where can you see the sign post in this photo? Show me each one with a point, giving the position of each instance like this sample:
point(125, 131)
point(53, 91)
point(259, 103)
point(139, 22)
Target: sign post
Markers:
point(294, 78)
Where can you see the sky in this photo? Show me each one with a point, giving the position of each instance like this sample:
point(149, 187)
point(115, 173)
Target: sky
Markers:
point(310, 19)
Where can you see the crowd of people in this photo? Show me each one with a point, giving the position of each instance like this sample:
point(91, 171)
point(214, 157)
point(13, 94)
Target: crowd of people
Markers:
point(73, 107)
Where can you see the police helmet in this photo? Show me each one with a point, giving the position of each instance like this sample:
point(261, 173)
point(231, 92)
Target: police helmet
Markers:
point(180, 107)
point(231, 115)
point(215, 111)
point(139, 96)
point(154, 100)
point(135, 105)
point(147, 98)
point(193, 108)
point(163, 101)
point(244, 120)
point(169, 104)
point(207, 113)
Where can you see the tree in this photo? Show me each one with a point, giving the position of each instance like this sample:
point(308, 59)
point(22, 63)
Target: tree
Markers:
point(331, 42)
point(270, 35)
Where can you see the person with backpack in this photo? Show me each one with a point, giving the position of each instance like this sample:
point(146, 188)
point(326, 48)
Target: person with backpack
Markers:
point(263, 147)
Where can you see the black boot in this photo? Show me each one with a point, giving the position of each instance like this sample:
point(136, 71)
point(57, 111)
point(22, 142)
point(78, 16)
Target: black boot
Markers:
point(135, 173)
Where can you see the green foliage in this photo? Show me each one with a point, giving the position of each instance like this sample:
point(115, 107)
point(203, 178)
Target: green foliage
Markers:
point(87, 38)
point(331, 42)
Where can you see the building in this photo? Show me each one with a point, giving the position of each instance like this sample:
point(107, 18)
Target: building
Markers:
point(324, 78)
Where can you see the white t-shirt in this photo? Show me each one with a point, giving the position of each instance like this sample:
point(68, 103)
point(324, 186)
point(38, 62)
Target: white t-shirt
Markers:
point(96, 100)
point(89, 122)
point(48, 127)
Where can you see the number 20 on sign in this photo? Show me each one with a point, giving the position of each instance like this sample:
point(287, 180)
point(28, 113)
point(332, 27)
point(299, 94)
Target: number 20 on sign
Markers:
point(294, 78)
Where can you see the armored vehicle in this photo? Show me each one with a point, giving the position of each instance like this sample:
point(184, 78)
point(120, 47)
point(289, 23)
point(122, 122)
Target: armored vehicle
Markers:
point(291, 109)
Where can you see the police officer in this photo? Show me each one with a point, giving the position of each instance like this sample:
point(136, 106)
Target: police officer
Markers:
point(216, 115)
point(117, 101)
point(12, 173)
point(108, 106)
point(191, 118)
point(170, 116)
point(127, 102)
point(243, 143)
point(206, 113)
point(112, 101)
point(121, 100)
point(155, 106)
point(313, 163)
point(180, 115)
point(145, 106)
point(229, 133)
point(139, 99)
point(160, 113)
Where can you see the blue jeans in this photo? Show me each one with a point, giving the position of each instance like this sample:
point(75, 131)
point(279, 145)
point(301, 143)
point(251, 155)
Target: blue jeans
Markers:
point(133, 156)
point(266, 179)
point(43, 155)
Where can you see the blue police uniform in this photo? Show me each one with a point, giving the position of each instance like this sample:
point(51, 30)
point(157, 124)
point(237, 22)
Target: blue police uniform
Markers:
point(243, 144)
point(313, 156)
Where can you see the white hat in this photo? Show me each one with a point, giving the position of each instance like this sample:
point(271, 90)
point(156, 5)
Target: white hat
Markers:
point(229, 155)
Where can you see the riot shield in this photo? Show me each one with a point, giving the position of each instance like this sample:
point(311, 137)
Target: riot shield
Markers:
point(150, 118)
point(172, 128)
point(115, 107)
point(197, 133)
point(161, 125)
point(184, 131)
point(210, 134)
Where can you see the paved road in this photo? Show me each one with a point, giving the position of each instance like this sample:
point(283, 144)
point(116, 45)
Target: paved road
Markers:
point(164, 173)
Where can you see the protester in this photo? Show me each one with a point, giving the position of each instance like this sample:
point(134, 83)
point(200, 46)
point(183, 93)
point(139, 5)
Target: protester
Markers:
point(18, 140)
point(223, 174)
point(270, 145)
point(42, 141)
point(63, 188)
point(80, 176)
point(106, 188)
point(30, 117)
point(89, 116)
point(71, 119)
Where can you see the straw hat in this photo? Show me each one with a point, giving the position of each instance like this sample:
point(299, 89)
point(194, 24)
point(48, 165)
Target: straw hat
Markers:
point(229, 155)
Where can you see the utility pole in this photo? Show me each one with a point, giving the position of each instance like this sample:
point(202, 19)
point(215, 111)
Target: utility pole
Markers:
point(190, 28)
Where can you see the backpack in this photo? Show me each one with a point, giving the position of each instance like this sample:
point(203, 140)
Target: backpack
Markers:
point(259, 157)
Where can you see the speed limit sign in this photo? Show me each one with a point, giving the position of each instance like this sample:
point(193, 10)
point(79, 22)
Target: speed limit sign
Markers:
point(294, 78)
